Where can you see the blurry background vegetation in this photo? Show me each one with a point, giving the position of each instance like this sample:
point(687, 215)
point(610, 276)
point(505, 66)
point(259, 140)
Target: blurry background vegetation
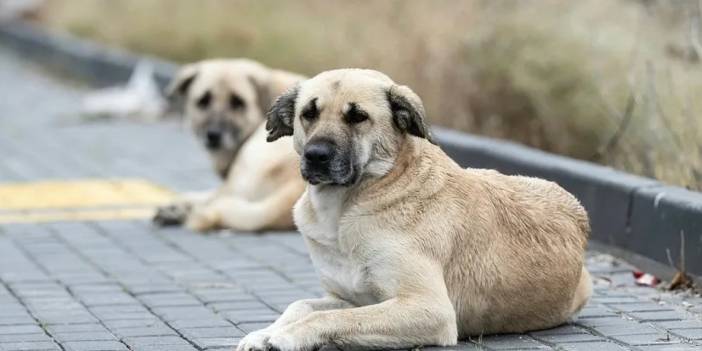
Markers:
point(613, 81)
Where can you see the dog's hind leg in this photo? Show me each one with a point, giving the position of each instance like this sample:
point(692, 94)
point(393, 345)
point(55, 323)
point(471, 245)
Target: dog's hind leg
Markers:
point(225, 211)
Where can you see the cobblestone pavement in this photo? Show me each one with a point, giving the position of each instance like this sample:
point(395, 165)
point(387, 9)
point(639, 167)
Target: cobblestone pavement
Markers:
point(124, 285)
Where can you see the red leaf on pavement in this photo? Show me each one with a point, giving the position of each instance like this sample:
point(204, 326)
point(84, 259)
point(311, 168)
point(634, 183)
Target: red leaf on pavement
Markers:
point(645, 279)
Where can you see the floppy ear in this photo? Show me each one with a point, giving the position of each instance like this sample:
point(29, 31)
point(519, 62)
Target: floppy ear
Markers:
point(270, 85)
point(408, 112)
point(180, 84)
point(281, 115)
point(264, 95)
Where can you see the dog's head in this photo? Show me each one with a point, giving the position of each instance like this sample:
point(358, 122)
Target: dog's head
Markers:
point(347, 124)
point(225, 100)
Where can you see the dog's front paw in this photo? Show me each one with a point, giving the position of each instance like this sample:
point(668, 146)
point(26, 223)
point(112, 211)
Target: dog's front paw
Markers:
point(284, 342)
point(174, 214)
point(255, 341)
point(202, 220)
point(290, 338)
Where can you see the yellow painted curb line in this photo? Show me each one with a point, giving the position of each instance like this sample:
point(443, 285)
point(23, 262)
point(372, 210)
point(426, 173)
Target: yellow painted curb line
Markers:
point(88, 199)
point(87, 215)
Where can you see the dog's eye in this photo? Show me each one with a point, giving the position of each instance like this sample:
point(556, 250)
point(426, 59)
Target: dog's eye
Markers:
point(235, 102)
point(204, 101)
point(355, 115)
point(310, 112)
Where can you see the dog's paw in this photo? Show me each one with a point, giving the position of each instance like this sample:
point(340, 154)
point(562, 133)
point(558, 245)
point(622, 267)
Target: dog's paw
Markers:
point(290, 338)
point(202, 220)
point(281, 341)
point(255, 341)
point(174, 214)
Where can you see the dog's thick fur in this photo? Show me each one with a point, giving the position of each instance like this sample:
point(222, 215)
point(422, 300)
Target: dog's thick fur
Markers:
point(225, 103)
point(411, 248)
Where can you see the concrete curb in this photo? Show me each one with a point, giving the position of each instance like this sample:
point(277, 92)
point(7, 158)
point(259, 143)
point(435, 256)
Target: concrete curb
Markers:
point(82, 59)
point(627, 212)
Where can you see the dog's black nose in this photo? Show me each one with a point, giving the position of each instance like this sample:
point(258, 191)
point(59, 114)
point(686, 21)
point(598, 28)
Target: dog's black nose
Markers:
point(319, 153)
point(213, 139)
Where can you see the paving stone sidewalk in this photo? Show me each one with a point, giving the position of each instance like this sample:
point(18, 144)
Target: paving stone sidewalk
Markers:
point(125, 285)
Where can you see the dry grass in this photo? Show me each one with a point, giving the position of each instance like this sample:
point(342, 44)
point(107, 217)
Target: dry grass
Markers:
point(614, 81)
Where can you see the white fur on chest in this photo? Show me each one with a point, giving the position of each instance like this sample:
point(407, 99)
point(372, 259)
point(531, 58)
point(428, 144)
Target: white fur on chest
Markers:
point(339, 270)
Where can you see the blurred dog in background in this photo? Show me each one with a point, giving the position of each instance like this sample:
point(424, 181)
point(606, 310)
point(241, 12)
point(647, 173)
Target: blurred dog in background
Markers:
point(225, 102)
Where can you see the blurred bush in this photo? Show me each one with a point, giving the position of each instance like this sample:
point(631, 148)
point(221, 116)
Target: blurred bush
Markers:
point(612, 81)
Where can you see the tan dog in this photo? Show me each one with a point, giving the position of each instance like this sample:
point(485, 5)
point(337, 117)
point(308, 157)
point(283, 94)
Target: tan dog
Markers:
point(411, 248)
point(225, 103)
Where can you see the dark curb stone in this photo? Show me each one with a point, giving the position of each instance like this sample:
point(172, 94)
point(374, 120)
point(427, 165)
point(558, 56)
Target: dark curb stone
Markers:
point(658, 217)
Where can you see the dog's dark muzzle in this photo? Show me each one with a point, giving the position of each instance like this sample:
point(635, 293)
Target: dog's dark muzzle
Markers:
point(213, 139)
point(220, 135)
point(323, 163)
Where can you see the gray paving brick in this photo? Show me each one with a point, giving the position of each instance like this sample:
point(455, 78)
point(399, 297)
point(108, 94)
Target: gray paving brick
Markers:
point(218, 332)
point(245, 316)
point(216, 343)
point(285, 299)
point(16, 320)
point(180, 312)
point(84, 336)
point(510, 342)
point(165, 348)
point(29, 346)
point(107, 299)
point(615, 299)
point(169, 299)
point(94, 346)
point(122, 316)
point(13, 338)
point(564, 329)
point(593, 346)
point(694, 334)
point(646, 339)
point(12, 309)
point(686, 324)
point(569, 338)
point(155, 330)
point(131, 308)
point(20, 329)
point(596, 312)
point(67, 320)
point(75, 328)
point(154, 340)
point(132, 323)
point(626, 329)
point(212, 297)
point(199, 323)
point(461, 346)
point(249, 327)
point(640, 307)
point(658, 316)
point(239, 305)
point(596, 322)
point(676, 347)
point(153, 288)
point(96, 288)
